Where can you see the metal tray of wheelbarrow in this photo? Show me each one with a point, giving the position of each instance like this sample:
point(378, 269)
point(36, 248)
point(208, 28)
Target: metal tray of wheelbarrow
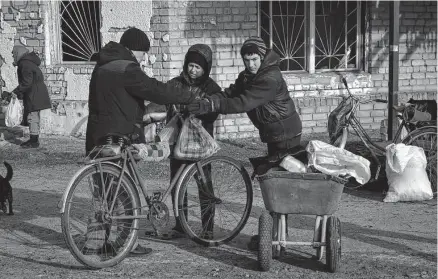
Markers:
point(301, 193)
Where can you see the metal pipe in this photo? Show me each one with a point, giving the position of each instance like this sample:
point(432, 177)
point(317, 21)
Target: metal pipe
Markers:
point(394, 22)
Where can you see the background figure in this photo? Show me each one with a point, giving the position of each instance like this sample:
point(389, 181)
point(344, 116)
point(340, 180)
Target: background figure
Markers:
point(32, 90)
point(196, 77)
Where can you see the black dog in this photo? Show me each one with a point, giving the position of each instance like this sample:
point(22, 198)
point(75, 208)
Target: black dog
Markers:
point(6, 190)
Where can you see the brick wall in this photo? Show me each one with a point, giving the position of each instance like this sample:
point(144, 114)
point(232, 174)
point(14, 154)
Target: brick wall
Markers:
point(223, 25)
point(417, 46)
point(176, 25)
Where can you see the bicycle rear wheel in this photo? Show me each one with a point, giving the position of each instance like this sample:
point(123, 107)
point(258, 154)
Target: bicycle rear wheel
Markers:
point(426, 138)
point(96, 236)
point(216, 210)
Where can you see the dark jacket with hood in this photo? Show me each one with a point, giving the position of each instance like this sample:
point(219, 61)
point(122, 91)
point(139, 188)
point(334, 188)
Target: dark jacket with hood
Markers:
point(201, 87)
point(118, 88)
point(31, 87)
point(265, 98)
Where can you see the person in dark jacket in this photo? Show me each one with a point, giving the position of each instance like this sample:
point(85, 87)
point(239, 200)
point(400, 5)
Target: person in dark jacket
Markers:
point(32, 90)
point(262, 93)
point(118, 89)
point(196, 77)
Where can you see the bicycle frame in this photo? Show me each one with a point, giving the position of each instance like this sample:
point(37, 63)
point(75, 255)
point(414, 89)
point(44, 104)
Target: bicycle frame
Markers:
point(352, 121)
point(128, 166)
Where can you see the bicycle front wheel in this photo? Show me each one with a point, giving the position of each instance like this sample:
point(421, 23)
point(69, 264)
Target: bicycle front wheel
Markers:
point(98, 222)
point(214, 201)
point(426, 138)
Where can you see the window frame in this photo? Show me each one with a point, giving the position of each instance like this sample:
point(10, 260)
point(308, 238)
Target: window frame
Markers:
point(309, 10)
point(53, 49)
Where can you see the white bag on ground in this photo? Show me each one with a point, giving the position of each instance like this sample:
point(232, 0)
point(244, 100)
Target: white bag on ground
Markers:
point(406, 173)
point(335, 161)
point(14, 113)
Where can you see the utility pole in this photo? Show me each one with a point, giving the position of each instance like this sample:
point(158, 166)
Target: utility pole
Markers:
point(394, 24)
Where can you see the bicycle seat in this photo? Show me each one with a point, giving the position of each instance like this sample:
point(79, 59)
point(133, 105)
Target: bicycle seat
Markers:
point(102, 151)
point(399, 108)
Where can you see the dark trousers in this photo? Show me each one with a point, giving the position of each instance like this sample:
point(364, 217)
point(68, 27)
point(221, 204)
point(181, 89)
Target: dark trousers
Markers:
point(205, 195)
point(277, 148)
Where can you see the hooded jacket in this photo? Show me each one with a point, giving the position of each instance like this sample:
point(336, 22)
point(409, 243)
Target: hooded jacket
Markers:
point(31, 87)
point(118, 88)
point(201, 87)
point(265, 98)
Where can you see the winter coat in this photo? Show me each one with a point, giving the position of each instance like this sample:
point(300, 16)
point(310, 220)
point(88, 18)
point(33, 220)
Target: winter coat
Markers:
point(202, 87)
point(265, 98)
point(118, 88)
point(31, 87)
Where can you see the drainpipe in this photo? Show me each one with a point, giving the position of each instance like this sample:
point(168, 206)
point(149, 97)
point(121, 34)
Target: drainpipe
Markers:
point(394, 13)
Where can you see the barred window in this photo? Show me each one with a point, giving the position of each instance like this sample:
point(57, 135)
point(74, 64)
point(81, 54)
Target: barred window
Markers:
point(313, 36)
point(80, 30)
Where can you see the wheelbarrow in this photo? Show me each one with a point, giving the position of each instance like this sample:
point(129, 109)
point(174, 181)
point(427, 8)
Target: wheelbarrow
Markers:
point(299, 193)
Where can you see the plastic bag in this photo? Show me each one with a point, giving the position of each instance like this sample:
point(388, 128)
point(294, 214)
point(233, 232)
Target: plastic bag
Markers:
point(14, 113)
point(406, 173)
point(292, 164)
point(335, 161)
point(150, 131)
point(153, 152)
point(194, 142)
point(170, 132)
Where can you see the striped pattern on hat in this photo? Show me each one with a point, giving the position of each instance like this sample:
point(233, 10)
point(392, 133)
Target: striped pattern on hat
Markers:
point(252, 44)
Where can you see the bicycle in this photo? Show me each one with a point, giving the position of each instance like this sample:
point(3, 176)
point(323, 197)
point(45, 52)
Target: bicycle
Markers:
point(100, 229)
point(420, 133)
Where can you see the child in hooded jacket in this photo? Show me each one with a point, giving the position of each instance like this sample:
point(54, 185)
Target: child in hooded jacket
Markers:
point(196, 77)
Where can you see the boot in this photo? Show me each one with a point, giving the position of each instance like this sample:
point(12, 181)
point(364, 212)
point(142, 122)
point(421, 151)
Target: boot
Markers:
point(33, 142)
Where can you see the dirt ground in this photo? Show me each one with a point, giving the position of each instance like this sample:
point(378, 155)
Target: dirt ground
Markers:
point(379, 240)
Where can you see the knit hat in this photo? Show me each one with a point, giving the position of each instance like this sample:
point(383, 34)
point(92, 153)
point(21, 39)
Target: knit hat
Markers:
point(195, 57)
point(19, 51)
point(135, 39)
point(254, 45)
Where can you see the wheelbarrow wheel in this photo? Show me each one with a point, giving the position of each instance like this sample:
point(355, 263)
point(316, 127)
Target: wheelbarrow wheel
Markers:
point(265, 242)
point(333, 254)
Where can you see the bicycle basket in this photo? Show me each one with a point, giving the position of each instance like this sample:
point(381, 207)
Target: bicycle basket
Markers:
point(338, 118)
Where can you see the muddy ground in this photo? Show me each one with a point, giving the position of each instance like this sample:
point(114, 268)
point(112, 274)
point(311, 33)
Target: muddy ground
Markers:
point(379, 240)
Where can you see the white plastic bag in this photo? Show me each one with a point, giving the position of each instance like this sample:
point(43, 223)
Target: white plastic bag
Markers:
point(406, 173)
point(14, 113)
point(335, 161)
point(150, 131)
point(292, 164)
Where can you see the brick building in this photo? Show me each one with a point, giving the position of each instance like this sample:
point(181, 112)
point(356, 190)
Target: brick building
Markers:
point(318, 41)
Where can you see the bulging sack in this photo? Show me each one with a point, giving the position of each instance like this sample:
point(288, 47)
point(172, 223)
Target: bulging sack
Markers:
point(14, 113)
point(194, 142)
point(406, 173)
point(335, 161)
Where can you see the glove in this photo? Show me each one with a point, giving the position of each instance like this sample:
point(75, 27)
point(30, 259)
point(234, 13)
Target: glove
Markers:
point(200, 107)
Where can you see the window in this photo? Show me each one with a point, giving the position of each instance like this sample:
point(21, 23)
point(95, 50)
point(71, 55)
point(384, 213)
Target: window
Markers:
point(80, 30)
point(313, 36)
